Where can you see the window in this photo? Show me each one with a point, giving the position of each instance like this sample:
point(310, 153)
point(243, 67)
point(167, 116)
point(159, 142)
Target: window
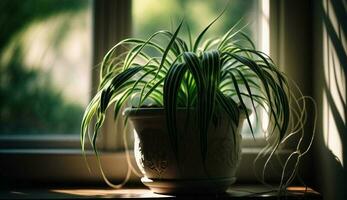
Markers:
point(45, 70)
point(54, 40)
point(56, 47)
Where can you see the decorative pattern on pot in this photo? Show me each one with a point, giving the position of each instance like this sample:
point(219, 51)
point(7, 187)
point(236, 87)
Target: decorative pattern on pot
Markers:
point(152, 151)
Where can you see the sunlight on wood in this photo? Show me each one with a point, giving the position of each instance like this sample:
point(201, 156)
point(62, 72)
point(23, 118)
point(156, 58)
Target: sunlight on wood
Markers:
point(125, 193)
point(299, 189)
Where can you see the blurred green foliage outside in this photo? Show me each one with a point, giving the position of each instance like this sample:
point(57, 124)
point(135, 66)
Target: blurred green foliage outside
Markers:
point(29, 104)
point(150, 16)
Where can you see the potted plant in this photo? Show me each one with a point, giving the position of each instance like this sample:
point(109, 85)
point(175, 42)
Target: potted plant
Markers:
point(187, 101)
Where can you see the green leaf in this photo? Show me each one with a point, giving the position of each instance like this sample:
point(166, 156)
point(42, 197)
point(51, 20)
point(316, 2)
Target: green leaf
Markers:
point(238, 92)
point(201, 35)
point(171, 85)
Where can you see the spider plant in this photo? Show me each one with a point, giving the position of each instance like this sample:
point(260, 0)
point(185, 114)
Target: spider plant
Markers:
point(209, 75)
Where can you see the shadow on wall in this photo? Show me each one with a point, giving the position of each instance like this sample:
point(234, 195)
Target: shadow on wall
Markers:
point(331, 92)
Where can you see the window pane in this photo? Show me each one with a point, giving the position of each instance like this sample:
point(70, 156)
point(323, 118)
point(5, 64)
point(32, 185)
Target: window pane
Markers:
point(150, 16)
point(45, 65)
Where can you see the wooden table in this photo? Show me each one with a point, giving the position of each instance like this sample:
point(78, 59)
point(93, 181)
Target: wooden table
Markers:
point(236, 192)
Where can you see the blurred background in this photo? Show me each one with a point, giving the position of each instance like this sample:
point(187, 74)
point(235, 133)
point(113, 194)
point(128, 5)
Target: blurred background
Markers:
point(46, 54)
point(45, 65)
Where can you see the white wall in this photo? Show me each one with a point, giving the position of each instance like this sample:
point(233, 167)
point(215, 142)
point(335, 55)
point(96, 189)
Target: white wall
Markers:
point(330, 63)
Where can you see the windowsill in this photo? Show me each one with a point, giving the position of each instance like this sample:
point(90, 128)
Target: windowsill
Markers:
point(235, 192)
point(68, 165)
point(44, 141)
point(35, 167)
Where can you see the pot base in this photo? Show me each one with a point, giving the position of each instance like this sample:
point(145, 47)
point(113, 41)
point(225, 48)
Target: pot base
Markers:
point(206, 186)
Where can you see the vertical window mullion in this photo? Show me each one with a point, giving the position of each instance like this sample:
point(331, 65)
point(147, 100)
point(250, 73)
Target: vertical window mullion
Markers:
point(112, 23)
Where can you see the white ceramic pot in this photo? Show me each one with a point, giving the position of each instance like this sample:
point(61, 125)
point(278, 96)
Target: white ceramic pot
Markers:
point(155, 157)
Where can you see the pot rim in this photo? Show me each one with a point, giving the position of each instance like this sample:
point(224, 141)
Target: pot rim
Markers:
point(155, 111)
point(147, 111)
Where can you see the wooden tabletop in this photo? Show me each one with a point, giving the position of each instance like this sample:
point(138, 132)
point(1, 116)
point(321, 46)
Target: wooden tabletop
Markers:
point(235, 192)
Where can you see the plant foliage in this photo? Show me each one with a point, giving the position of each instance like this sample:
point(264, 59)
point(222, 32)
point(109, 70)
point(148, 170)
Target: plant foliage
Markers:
point(208, 74)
